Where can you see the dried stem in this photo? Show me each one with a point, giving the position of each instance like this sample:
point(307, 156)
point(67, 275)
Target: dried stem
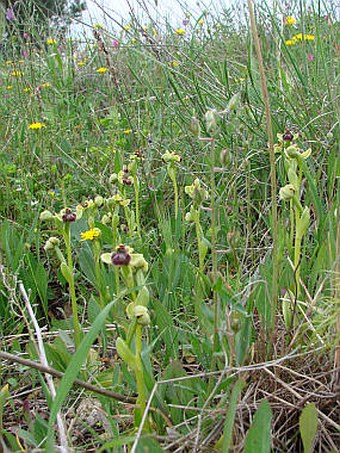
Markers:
point(265, 96)
point(43, 359)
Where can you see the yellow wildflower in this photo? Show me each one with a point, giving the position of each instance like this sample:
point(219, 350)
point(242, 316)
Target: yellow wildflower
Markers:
point(127, 28)
point(180, 31)
point(127, 131)
point(9, 87)
point(201, 22)
point(101, 70)
point(35, 126)
point(51, 41)
point(90, 235)
point(45, 85)
point(17, 74)
point(133, 41)
point(9, 62)
point(290, 42)
point(80, 63)
point(27, 90)
point(309, 38)
point(98, 26)
point(290, 21)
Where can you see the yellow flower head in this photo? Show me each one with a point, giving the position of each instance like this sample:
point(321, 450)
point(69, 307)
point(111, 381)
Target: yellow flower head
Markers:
point(309, 37)
point(180, 31)
point(17, 74)
point(127, 131)
point(290, 42)
point(101, 70)
point(200, 22)
point(290, 21)
point(36, 126)
point(90, 235)
point(51, 41)
point(9, 87)
point(45, 85)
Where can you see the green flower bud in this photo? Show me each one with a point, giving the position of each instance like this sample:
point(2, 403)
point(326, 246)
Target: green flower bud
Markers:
point(233, 103)
point(196, 192)
point(329, 136)
point(292, 152)
point(142, 315)
point(211, 121)
point(51, 244)
point(99, 201)
point(106, 219)
point(194, 127)
point(113, 178)
point(46, 215)
point(170, 157)
point(79, 211)
point(188, 217)
point(138, 262)
point(287, 192)
point(224, 157)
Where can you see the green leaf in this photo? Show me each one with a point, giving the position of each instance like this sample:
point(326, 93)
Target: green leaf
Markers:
point(308, 424)
point(4, 395)
point(230, 416)
point(67, 272)
point(258, 437)
point(76, 363)
point(125, 353)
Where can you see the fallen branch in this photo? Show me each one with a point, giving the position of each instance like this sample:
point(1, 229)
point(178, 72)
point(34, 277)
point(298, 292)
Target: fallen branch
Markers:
point(59, 374)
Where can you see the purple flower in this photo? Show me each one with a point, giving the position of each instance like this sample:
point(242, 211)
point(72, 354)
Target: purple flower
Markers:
point(9, 14)
point(115, 43)
point(25, 35)
point(310, 57)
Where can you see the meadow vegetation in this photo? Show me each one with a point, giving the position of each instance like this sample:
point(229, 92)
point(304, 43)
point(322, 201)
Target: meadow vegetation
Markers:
point(169, 274)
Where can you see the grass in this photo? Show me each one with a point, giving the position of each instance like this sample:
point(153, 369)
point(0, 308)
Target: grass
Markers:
point(158, 140)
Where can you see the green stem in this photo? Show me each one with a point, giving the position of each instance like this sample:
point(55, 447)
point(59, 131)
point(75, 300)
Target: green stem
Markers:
point(76, 324)
point(141, 400)
point(297, 253)
point(213, 249)
point(292, 225)
point(96, 251)
point(136, 185)
point(199, 242)
point(174, 181)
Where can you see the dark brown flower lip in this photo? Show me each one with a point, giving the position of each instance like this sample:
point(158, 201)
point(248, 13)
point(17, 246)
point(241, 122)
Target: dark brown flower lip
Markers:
point(287, 136)
point(69, 216)
point(127, 181)
point(121, 257)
